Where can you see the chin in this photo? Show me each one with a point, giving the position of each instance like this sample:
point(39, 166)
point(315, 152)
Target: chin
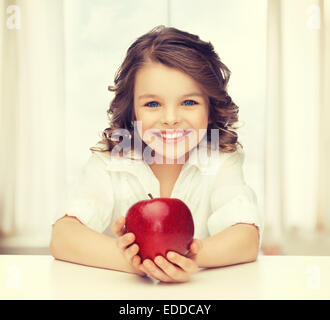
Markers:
point(172, 156)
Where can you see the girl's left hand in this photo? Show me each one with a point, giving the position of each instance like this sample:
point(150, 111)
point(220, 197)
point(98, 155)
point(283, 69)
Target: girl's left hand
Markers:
point(176, 268)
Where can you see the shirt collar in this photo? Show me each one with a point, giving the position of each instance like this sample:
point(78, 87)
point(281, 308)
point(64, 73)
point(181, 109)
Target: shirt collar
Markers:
point(203, 157)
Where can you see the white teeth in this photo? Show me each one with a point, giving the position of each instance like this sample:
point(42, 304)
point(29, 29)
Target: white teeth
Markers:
point(172, 136)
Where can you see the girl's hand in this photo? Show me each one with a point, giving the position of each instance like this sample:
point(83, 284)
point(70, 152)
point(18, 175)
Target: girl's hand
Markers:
point(125, 243)
point(176, 268)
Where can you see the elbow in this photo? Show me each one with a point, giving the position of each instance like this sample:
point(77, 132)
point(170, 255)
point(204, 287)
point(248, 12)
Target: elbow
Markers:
point(52, 251)
point(59, 231)
point(53, 247)
point(253, 245)
point(251, 253)
point(62, 230)
point(254, 253)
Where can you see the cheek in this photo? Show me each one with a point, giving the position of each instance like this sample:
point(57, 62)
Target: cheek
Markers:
point(146, 123)
point(200, 120)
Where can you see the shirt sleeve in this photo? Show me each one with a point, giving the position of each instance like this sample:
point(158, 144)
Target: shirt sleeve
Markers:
point(91, 197)
point(232, 200)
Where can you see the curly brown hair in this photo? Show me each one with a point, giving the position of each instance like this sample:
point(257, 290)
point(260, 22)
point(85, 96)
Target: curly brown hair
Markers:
point(184, 51)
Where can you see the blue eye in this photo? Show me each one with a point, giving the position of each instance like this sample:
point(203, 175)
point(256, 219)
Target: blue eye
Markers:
point(152, 103)
point(148, 104)
point(194, 102)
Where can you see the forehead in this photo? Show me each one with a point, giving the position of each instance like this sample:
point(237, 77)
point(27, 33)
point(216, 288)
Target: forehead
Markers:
point(156, 78)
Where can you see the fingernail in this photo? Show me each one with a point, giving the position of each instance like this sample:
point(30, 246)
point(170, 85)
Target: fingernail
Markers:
point(170, 255)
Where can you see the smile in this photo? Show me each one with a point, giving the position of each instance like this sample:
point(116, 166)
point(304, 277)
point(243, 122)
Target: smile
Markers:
point(172, 137)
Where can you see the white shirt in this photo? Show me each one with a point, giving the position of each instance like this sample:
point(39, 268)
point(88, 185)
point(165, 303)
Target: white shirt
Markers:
point(214, 190)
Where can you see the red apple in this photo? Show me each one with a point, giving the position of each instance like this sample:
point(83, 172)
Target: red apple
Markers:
point(160, 225)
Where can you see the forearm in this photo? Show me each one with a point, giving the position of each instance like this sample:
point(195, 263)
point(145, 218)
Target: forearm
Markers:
point(236, 244)
point(74, 242)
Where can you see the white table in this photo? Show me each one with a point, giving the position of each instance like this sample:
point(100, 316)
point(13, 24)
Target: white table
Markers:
point(270, 277)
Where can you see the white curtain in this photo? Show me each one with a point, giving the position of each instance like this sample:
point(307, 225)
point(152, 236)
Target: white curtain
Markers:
point(297, 134)
point(32, 129)
point(38, 90)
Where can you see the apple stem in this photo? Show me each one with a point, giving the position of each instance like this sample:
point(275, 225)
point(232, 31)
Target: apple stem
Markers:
point(149, 194)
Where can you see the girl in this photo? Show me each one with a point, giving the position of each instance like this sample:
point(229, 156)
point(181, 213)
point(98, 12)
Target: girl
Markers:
point(171, 108)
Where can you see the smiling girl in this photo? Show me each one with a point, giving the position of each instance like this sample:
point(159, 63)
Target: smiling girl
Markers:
point(170, 98)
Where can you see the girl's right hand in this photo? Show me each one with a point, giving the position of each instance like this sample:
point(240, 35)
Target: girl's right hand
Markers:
point(125, 242)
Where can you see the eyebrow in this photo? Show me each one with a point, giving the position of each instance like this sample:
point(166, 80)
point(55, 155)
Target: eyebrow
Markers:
point(193, 94)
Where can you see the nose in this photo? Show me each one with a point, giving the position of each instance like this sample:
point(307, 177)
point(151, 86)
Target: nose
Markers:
point(170, 116)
